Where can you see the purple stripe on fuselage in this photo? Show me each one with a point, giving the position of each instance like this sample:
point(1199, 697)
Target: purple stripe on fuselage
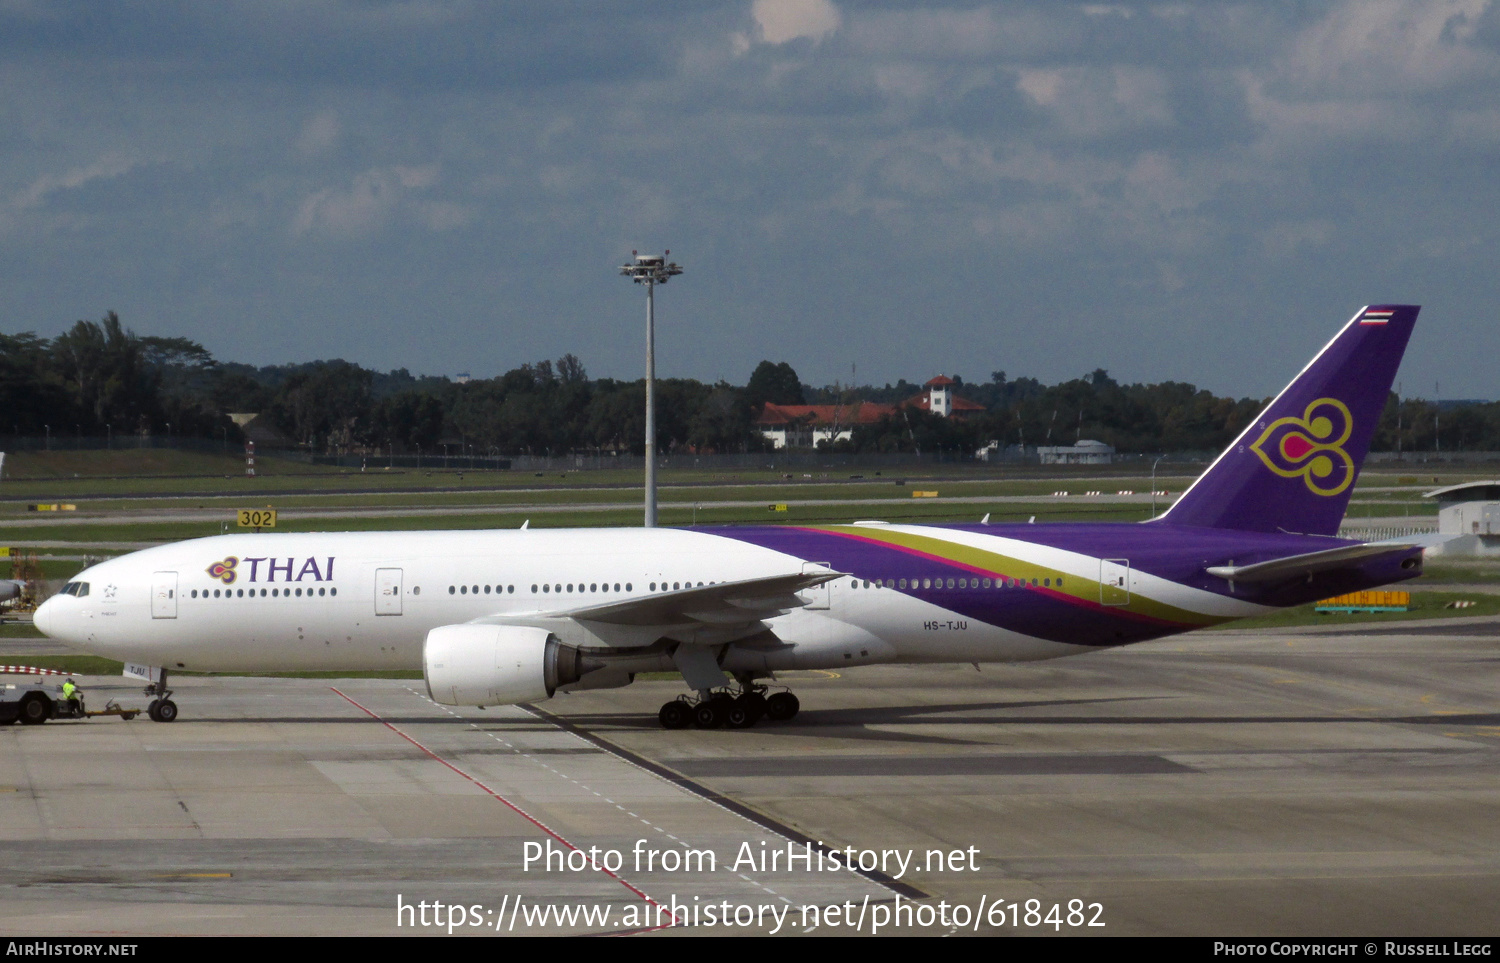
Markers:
point(1038, 612)
point(1176, 553)
point(955, 565)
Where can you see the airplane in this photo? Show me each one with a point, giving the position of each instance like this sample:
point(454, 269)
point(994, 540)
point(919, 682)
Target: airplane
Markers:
point(515, 616)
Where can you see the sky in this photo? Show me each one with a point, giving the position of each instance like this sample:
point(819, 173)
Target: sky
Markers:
point(1197, 192)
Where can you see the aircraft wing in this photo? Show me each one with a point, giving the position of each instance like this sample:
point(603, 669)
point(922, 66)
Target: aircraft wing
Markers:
point(748, 600)
point(1308, 563)
point(718, 608)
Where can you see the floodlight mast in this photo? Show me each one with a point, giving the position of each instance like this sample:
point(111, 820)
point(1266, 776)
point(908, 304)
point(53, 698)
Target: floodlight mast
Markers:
point(650, 270)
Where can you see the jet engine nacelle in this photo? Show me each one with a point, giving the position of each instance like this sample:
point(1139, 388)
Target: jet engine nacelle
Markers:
point(496, 665)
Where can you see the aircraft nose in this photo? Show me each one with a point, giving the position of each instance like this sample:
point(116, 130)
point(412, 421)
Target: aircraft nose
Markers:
point(45, 617)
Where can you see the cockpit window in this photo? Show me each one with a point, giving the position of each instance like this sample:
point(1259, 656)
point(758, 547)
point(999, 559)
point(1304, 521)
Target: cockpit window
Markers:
point(77, 589)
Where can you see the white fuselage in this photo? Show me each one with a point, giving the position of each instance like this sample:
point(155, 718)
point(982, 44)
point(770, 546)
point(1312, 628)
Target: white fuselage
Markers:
point(366, 601)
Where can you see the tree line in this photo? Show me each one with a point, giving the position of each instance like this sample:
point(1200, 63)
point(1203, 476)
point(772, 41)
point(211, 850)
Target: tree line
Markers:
point(101, 377)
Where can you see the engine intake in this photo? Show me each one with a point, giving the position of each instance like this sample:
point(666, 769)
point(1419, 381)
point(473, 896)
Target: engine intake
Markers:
point(496, 665)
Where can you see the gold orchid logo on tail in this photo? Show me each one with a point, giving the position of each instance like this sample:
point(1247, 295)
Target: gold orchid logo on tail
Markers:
point(1311, 447)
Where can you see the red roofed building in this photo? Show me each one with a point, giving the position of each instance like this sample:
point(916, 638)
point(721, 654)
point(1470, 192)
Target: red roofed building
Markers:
point(804, 426)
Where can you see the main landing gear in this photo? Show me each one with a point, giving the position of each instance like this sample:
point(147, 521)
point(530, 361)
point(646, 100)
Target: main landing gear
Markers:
point(732, 708)
point(161, 708)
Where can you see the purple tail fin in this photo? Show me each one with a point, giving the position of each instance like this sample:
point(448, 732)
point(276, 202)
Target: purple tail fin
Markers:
point(1293, 468)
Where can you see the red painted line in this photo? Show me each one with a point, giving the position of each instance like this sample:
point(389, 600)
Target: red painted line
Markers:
point(517, 809)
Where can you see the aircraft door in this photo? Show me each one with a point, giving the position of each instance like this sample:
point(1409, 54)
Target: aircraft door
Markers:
point(1114, 581)
point(817, 596)
point(387, 591)
point(164, 595)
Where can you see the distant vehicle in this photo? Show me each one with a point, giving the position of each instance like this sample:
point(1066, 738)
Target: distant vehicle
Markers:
point(500, 617)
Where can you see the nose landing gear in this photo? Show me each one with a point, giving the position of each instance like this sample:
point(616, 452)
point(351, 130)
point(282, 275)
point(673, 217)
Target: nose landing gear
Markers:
point(162, 708)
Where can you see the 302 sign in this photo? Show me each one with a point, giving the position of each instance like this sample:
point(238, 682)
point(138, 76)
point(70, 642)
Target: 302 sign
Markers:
point(257, 518)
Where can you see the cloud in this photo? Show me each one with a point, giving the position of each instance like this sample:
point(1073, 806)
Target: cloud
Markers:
point(782, 21)
point(1378, 47)
point(371, 201)
point(1092, 101)
point(106, 167)
point(1371, 69)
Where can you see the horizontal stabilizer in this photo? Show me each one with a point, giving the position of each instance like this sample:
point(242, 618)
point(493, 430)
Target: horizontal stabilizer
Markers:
point(1298, 565)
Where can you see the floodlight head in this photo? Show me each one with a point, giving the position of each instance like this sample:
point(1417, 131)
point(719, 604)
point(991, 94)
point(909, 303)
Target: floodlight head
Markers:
point(650, 269)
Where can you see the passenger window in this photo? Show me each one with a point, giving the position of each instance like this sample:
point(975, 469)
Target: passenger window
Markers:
point(1059, 583)
point(463, 589)
point(627, 586)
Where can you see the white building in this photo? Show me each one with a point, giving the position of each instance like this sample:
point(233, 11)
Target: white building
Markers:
point(1086, 452)
point(1470, 515)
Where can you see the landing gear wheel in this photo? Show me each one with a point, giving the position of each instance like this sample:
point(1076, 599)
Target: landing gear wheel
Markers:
point(711, 714)
point(166, 711)
point(746, 710)
point(675, 715)
point(756, 703)
point(782, 707)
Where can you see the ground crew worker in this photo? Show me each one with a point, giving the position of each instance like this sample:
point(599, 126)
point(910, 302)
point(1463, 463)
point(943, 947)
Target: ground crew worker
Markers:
point(70, 695)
